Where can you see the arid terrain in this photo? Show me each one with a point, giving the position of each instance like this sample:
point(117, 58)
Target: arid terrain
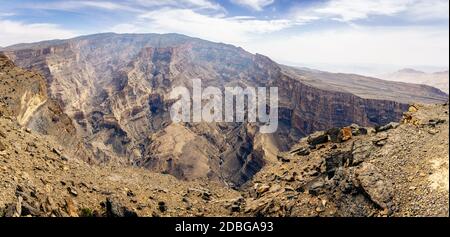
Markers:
point(85, 130)
point(435, 79)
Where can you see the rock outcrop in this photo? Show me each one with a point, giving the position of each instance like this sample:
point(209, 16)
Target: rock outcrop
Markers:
point(24, 97)
point(400, 171)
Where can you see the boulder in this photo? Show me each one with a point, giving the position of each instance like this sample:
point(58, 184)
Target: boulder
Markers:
point(355, 129)
point(345, 134)
point(28, 209)
point(391, 125)
point(70, 207)
point(318, 138)
point(338, 135)
point(262, 188)
point(236, 204)
point(283, 157)
point(205, 194)
point(333, 134)
point(72, 191)
point(316, 187)
point(377, 188)
point(361, 151)
point(115, 209)
point(302, 151)
point(434, 122)
point(162, 206)
point(380, 139)
point(413, 108)
point(14, 209)
point(362, 131)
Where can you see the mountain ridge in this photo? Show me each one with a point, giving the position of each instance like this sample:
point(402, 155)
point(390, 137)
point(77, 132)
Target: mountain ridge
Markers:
point(84, 131)
point(115, 89)
point(436, 79)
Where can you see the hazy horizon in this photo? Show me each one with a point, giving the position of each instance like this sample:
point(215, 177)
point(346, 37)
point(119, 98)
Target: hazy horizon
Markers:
point(370, 70)
point(404, 33)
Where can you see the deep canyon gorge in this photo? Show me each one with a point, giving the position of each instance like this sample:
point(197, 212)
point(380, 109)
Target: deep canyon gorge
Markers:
point(105, 98)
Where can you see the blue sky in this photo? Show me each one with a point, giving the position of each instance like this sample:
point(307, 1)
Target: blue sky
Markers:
point(351, 32)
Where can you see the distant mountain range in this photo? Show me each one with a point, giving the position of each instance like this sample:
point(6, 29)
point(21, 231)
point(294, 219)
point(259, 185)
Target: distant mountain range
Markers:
point(439, 80)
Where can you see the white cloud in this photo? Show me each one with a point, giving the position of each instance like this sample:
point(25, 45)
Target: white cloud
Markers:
point(200, 4)
point(235, 30)
point(127, 5)
point(257, 5)
point(350, 10)
point(103, 5)
point(14, 32)
point(6, 14)
point(363, 45)
point(75, 5)
point(429, 10)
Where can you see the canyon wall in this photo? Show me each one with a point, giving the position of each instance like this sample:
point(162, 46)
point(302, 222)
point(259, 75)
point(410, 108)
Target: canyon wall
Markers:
point(115, 90)
point(24, 97)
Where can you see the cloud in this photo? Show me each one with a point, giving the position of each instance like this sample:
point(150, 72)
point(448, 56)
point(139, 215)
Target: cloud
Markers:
point(257, 5)
point(361, 45)
point(102, 5)
point(350, 10)
point(236, 30)
point(196, 4)
point(14, 32)
point(138, 6)
point(6, 14)
point(429, 10)
point(76, 5)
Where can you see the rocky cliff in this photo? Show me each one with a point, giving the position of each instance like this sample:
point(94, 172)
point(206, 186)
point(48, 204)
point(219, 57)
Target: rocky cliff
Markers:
point(400, 169)
point(115, 89)
point(24, 97)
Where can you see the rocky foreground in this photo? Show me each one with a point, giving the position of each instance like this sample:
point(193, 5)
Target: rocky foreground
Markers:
point(400, 169)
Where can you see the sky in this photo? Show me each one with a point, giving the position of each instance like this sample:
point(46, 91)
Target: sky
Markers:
point(359, 33)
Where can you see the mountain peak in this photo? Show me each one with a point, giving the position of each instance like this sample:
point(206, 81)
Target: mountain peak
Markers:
point(410, 71)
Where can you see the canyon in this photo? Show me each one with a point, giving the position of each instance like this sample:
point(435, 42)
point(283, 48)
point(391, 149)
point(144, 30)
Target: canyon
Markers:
point(104, 99)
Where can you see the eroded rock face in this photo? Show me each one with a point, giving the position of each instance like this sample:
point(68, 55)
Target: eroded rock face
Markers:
point(397, 179)
point(306, 109)
point(24, 97)
point(375, 174)
point(115, 89)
